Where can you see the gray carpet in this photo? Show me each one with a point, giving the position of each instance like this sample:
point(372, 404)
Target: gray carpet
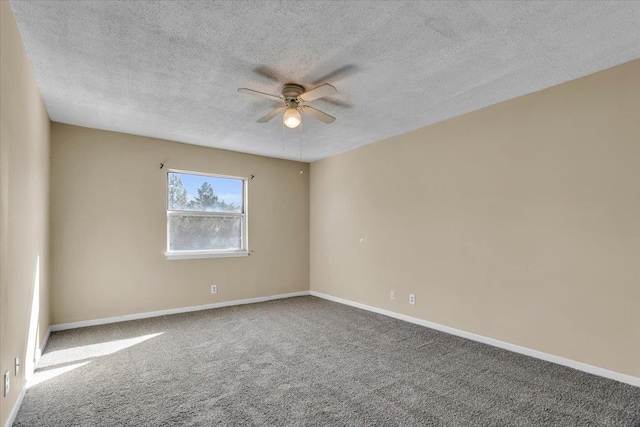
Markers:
point(305, 361)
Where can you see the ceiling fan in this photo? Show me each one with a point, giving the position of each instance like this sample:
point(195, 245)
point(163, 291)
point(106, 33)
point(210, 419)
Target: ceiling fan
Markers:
point(294, 101)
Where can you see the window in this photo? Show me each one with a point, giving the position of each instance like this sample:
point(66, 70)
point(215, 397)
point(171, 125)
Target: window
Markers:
point(206, 215)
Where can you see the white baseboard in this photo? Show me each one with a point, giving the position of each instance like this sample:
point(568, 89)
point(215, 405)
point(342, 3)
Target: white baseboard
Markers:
point(43, 346)
point(490, 341)
point(16, 407)
point(126, 317)
point(628, 379)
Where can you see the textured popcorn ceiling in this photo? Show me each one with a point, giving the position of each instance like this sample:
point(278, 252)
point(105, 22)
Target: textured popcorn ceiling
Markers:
point(171, 69)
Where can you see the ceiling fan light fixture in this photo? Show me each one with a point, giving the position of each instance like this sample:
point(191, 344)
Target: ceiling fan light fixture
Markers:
point(292, 118)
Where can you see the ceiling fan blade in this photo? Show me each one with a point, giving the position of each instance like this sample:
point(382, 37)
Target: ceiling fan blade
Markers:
point(271, 115)
point(260, 94)
point(319, 92)
point(317, 114)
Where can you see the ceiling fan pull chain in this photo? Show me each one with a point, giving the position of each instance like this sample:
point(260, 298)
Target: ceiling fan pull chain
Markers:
point(283, 135)
point(301, 147)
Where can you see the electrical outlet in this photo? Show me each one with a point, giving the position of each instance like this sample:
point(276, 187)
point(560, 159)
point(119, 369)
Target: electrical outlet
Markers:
point(17, 366)
point(214, 289)
point(392, 295)
point(7, 382)
point(412, 299)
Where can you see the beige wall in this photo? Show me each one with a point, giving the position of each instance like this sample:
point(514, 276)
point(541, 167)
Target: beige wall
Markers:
point(109, 226)
point(24, 211)
point(519, 222)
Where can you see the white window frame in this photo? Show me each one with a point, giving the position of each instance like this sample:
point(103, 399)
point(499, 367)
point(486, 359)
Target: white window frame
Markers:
point(244, 251)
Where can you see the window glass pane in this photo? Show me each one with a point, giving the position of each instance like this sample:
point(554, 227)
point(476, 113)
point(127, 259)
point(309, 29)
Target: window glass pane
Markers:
point(200, 233)
point(202, 193)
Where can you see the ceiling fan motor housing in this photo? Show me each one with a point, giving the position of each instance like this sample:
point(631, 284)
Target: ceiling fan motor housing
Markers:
point(291, 91)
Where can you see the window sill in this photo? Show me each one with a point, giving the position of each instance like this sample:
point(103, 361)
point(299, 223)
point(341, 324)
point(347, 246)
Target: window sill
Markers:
point(198, 255)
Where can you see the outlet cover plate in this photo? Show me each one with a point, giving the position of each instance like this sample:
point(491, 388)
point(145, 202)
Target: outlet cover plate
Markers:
point(412, 299)
point(214, 289)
